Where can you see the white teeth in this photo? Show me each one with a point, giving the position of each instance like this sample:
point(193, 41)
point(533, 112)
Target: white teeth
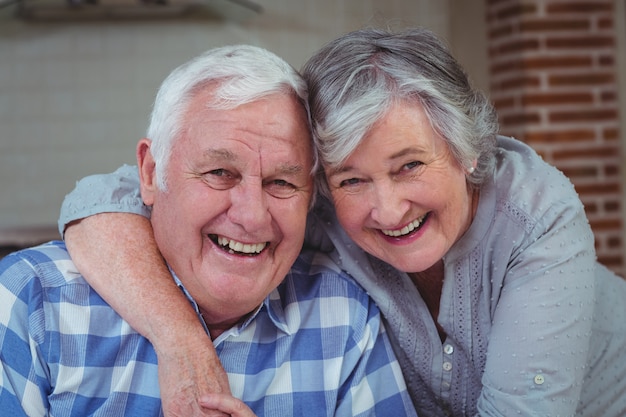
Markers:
point(405, 230)
point(234, 246)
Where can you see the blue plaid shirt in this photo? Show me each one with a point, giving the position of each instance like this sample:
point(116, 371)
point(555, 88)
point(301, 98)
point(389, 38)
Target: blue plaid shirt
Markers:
point(315, 347)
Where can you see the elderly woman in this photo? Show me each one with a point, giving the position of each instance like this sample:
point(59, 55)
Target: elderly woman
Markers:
point(477, 252)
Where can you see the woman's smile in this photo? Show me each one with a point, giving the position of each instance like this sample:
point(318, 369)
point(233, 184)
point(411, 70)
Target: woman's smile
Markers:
point(406, 230)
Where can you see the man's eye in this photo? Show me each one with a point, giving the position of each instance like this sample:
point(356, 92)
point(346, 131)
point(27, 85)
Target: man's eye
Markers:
point(218, 172)
point(219, 179)
point(282, 183)
point(280, 188)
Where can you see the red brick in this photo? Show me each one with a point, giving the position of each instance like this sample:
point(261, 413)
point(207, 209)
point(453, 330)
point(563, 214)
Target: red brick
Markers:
point(504, 103)
point(585, 7)
point(578, 116)
point(562, 136)
point(591, 208)
point(588, 79)
point(605, 224)
point(500, 32)
point(517, 83)
point(579, 42)
point(612, 206)
point(554, 25)
point(580, 172)
point(542, 62)
point(610, 134)
point(517, 46)
point(521, 118)
point(608, 96)
point(606, 23)
point(539, 99)
point(614, 242)
point(606, 60)
point(613, 262)
point(612, 170)
point(597, 189)
point(515, 10)
point(590, 151)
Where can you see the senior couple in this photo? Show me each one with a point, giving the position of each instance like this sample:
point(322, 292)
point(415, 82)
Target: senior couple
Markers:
point(477, 253)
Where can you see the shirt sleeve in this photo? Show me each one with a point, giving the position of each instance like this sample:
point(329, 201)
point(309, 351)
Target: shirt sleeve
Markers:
point(115, 192)
point(541, 324)
point(23, 382)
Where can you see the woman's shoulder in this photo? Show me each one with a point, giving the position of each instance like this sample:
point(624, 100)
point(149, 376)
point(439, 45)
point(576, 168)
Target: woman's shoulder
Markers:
point(522, 177)
point(519, 161)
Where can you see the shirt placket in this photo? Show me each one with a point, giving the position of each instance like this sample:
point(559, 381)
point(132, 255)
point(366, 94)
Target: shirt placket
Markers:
point(447, 365)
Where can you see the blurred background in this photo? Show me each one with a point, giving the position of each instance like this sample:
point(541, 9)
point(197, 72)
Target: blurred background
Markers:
point(78, 77)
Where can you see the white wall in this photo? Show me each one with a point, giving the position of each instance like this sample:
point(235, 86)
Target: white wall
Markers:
point(75, 98)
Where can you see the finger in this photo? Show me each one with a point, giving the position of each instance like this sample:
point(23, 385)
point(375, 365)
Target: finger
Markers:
point(226, 404)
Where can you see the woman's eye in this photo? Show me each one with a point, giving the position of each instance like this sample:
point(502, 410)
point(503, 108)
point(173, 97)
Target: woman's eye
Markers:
point(349, 182)
point(410, 166)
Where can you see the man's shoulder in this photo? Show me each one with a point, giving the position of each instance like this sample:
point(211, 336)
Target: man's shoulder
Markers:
point(49, 263)
point(316, 274)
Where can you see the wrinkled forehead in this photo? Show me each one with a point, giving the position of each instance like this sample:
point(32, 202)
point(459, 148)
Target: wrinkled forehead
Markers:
point(274, 126)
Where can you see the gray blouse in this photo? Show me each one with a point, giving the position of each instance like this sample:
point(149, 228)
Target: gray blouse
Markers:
point(535, 326)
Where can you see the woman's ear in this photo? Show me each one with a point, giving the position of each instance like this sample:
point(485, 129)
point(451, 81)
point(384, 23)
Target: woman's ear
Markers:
point(147, 171)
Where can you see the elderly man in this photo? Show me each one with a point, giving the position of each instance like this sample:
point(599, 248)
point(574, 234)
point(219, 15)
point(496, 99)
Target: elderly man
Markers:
point(226, 169)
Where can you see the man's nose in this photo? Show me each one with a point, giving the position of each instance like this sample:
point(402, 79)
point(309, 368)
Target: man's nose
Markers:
point(249, 206)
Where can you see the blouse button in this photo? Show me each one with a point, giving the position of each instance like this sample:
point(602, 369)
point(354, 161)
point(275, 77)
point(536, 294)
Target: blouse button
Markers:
point(448, 349)
point(447, 366)
point(539, 379)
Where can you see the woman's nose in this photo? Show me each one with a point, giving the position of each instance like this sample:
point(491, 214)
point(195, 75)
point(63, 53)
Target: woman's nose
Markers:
point(388, 205)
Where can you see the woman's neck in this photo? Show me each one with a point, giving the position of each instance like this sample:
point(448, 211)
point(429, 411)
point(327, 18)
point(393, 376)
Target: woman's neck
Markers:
point(429, 283)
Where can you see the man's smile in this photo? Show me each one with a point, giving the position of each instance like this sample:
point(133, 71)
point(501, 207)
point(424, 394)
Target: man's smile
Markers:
point(232, 246)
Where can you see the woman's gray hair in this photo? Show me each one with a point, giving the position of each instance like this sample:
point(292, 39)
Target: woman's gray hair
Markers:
point(356, 79)
point(237, 74)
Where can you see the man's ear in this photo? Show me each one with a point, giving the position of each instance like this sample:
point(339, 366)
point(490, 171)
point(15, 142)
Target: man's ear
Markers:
point(147, 171)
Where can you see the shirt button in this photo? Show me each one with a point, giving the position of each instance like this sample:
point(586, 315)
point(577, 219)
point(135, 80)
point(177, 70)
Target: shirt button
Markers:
point(539, 379)
point(448, 349)
point(447, 366)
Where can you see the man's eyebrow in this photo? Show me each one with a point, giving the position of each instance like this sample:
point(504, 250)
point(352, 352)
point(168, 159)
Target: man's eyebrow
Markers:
point(290, 169)
point(219, 153)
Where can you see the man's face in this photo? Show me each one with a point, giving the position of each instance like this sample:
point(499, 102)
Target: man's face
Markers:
point(231, 222)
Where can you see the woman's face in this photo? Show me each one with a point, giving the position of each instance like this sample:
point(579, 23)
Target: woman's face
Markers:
point(401, 195)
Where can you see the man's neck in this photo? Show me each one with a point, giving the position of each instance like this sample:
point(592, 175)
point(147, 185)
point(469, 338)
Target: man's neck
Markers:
point(217, 328)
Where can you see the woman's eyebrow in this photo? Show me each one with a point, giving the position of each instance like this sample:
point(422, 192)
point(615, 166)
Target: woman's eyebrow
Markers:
point(339, 170)
point(406, 151)
point(403, 152)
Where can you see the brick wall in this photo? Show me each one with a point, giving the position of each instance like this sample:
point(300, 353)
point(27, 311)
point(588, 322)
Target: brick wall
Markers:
point(554, 83)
